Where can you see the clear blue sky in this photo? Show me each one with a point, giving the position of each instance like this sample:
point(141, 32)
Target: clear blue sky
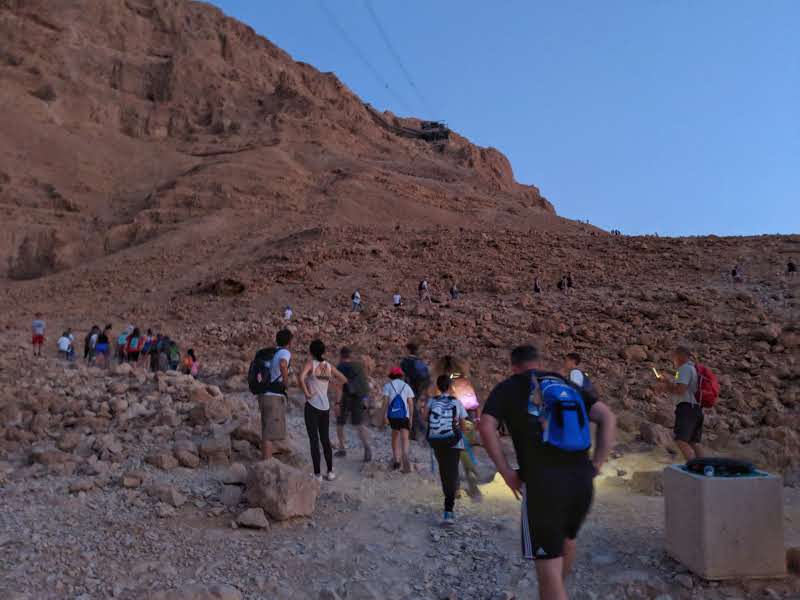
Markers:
point(675, 116)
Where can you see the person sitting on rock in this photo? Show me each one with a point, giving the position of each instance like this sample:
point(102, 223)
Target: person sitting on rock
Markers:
point(397, 299)
point(791, 268)
point(287, 313)
point(454, 292)
point(399, 416)
point(537, 286)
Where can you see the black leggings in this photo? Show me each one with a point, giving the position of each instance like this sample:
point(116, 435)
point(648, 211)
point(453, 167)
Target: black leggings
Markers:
point(317, 426)
point(448, 459)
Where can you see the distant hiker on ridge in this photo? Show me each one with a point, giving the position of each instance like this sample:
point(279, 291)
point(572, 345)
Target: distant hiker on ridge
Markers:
point(38, 329)
point(356, 299)
point(424, 291)
point(397, 299)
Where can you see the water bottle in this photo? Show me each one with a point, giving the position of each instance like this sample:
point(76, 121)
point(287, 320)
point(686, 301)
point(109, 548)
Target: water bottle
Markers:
point(708, 471)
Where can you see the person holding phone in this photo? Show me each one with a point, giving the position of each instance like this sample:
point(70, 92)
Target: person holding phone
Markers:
point(688, 429)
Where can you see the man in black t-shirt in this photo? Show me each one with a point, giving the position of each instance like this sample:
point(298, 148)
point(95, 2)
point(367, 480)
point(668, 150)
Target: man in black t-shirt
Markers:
point(556, 485)
point(352, 402)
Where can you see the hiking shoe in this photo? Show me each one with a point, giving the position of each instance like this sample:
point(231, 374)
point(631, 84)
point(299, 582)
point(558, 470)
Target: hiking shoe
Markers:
point(406, 465)
point(330, 476)
point(448, 519)
point(340, 453)
point(367, 455)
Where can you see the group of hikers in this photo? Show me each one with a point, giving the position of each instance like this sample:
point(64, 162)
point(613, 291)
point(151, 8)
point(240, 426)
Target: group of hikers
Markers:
point(547, 415)
point(737, 276)
point(153, 351)
point(424, 294)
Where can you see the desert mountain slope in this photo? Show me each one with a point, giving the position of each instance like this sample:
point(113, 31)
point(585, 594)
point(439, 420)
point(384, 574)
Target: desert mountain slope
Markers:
point(124, 121)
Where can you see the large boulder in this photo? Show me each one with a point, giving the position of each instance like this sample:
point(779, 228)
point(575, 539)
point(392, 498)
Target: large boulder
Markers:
point(634, 353)
point(282, 491)
point(217, 450)
point(208, 408)
point(655, 434)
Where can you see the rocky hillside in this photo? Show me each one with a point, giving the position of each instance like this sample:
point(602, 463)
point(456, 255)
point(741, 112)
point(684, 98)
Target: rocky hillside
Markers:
point(127, 122)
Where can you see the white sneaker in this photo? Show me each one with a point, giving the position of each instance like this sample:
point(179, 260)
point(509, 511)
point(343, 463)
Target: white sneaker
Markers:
point(317, 477)
point(330, 476)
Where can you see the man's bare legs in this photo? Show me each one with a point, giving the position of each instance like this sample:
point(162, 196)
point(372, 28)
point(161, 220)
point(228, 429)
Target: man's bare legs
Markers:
point(266, 449)
point(340, 437)
point(550, 577)
point(686, 449)
point(570, 548)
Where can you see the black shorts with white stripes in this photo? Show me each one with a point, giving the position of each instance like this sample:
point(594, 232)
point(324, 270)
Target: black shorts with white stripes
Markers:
point(555, 502)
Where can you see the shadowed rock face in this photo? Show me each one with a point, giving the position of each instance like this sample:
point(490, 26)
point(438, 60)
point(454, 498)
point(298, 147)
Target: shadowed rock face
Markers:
point(124, 121)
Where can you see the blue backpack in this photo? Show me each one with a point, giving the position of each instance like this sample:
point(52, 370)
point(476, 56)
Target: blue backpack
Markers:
point(561, 406)
point(397, 406)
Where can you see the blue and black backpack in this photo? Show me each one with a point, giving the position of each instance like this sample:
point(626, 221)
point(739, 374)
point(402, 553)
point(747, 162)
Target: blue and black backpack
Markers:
point(560, 408)
point(443, 430)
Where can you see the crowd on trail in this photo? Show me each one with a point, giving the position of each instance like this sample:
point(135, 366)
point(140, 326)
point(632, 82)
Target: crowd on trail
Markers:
point(547, 414)
point(149, 351)
point(564, 284)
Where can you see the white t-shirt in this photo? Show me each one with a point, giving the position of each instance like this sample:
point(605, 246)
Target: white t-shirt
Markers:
point(93, 340)
point(576, 377)
point(275, 365)
point(397, 299)
point(64, 343)
point(318, 386)
point(395, 387)
point(444, 405)
point(356, 298)
point(287, 314)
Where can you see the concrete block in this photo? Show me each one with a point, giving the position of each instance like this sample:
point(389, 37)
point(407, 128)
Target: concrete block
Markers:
point(725, 527)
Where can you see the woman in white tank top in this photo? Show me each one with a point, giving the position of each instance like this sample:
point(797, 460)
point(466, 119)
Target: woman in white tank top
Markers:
point(315, 377)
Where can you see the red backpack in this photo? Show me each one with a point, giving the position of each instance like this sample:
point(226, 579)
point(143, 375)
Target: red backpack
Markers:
point(707, 392)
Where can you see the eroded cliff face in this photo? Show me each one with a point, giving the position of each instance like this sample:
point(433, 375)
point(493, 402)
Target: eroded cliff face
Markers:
point(123, 121)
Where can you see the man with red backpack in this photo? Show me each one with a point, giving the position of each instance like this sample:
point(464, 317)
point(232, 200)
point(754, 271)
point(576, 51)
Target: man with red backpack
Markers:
point(693, 389)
